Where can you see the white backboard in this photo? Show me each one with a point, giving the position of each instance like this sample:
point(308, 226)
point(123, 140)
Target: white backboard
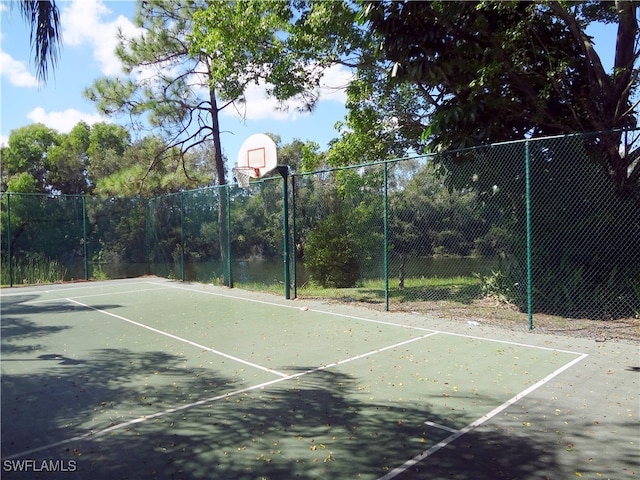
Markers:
point(258, 155)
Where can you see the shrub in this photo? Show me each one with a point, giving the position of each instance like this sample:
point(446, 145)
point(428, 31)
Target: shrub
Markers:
point(329, 254)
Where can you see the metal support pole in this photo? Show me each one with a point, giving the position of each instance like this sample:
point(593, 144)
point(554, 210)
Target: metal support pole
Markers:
point(527, 156)
point(284, 171)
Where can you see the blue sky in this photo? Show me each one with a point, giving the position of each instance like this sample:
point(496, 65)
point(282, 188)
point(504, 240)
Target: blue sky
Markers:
point(89, 29)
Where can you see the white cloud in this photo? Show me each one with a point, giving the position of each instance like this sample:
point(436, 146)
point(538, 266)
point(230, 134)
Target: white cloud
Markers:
point(16, 71)
point(4, 140)
point(334, 83)
point(258, 106)
point(63, 121)
point(83, 23)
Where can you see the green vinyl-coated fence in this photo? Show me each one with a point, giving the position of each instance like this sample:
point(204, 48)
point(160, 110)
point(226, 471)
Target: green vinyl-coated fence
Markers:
point(535, 223)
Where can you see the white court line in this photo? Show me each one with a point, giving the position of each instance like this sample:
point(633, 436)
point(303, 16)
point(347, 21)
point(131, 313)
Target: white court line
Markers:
point(455, 435)
point(369, 320)
point(508, 342)
point(296, 307)
point(441, 427)
point(175, 337)
point(120, 426)
point(65, 299)
point(56, 288)
point(439, 446)
point(363, 355)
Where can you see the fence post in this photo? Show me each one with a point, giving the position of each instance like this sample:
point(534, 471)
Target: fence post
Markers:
point(527, 159)
point(385, 219)
point(84, 237)
point(225, 191)
point(9, 253)
point(182, 236)
point(147, 233)
point(294, 270)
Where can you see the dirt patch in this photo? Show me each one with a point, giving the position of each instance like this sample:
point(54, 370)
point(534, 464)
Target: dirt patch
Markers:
point(495, 313)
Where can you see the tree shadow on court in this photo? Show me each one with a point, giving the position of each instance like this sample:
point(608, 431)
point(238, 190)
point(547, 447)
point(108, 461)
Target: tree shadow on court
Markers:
point(25, 306)
point(58, 397)
point(13, 328)
point(16, 329)
point(492, 453)
point(322, 424)
point(170, 419)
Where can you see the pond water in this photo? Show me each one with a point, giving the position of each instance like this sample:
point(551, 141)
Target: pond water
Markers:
point(272, 271)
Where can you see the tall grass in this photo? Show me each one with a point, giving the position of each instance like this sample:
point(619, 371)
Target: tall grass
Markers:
point(32, 269)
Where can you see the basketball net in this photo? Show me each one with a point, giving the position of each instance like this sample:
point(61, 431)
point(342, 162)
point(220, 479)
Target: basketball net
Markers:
point(243, 175)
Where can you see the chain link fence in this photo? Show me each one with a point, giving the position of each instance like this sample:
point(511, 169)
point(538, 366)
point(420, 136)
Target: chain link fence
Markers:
point(49, 238)
point(536, 224)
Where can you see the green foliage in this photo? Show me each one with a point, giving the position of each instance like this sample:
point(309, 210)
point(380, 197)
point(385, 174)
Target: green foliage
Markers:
point(181, 103)
point(495, 71)
point(70, 160)
point(98, 159)
point(117, 234)
point(22, 183)
point(450, 242)
point(240, 39)
point(33, 269)
point(311, 156)
point(44, 19)
point(99, 274)
point(498, 285)
point(427, 217)
point(589, 233)
point(27, 152)
point(330, 254)
point(499, 240)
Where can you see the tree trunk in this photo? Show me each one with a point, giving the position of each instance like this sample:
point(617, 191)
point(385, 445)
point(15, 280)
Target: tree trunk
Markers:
point(222, 191)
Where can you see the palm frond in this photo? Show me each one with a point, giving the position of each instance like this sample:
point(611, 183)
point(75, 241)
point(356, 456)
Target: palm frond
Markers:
point(44, 17)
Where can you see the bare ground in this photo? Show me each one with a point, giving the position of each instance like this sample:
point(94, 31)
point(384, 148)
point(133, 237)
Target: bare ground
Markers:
point(492, 312)
point(495, 313)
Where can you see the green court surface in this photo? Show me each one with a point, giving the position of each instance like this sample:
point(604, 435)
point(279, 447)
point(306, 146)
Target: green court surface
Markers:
point(149, 378)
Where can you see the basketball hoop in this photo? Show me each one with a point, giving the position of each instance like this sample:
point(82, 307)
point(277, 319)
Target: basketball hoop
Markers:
point(243, 175)
point(257, 156)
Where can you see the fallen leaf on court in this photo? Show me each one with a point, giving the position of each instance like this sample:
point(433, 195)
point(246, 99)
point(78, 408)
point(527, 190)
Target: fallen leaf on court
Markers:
point(578, 474)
